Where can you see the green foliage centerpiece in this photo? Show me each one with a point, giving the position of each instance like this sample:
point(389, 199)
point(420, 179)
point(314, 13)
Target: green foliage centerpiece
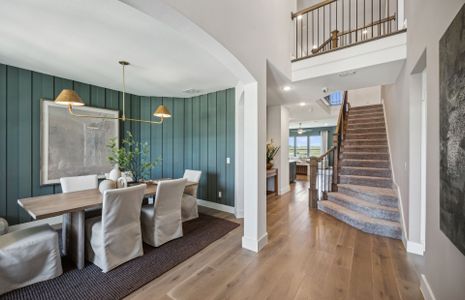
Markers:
point(271, 151)
point(132, 156)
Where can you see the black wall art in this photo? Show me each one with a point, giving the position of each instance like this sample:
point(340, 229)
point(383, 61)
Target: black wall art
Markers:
point(452, 131)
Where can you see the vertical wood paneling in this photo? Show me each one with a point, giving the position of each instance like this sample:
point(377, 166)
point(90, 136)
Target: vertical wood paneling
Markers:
point(97, 96)
point(167, 171)
point(42, 88)
point(195, 133)
point(178, 137)
point(145, 127)
point(203, 194)
point(211, 138)
point(3, 137)
point(125, 126)
point(188, 116)
point(12, 143)
point(221, 145)
point(230, 145)
point(25, 139)
point(83, 90)
point(156, 140)
point(200, 135)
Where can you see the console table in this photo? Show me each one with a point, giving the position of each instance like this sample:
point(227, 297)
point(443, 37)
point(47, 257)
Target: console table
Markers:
point(272, 173)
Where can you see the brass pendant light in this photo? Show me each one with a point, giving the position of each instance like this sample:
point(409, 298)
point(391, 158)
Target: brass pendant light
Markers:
point(71, 98)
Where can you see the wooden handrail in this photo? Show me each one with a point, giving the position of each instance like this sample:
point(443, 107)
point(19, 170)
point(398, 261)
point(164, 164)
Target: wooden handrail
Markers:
point(388, 19)
point(326, 153)
point(311, 8)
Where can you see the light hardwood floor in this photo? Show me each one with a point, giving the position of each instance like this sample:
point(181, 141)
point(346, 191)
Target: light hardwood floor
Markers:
point(310, 255)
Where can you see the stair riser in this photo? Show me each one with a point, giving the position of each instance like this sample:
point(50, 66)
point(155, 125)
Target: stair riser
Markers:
point(364, 148)
point(353, 142)
point(366, 108)
point(373, 198)
point(366, 130)
point(367, 125)
point(366, 117)
point(371, 212)
point(364, 136)
point(382, 183)
point(366, 172)
point(365, 163)
point(395, 233)
point(362, 156)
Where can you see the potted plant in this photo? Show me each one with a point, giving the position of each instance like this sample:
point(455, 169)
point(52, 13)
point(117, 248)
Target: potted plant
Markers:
point(132, 156)
point(271, 151)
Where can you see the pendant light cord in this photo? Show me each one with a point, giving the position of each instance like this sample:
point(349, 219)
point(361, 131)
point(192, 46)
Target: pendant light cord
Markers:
point(124, 93)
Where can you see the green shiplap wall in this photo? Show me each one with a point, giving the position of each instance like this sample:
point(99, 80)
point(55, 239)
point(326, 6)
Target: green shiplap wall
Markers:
point(200, 135)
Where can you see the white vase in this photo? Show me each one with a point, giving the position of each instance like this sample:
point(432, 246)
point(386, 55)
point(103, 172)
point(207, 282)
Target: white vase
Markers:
point(122, 182)
point(115, 173)
point(3, 226)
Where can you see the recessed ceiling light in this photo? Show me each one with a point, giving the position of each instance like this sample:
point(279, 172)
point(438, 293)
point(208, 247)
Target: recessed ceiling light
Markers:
point(347, 73)
point(192, 91)
point(286, 88)
point(302, 103)
point(299, 17)
point(326, 124)
point(364, 31)
point(314, 47)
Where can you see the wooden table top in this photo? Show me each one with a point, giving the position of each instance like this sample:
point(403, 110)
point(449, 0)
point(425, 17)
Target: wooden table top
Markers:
point(47, 206)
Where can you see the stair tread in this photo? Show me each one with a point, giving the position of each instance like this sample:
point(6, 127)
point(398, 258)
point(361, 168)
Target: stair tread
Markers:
point(364, 168)
point(362, 152)
point(365, 160)
point(359, 216)
point(367, 177)
point(363, 203)
point(370, 190)
point(365, 146)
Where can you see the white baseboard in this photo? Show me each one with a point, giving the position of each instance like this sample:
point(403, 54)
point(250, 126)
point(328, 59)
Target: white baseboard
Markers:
point(415, 248)
point(253, 244)
point(284, 189)
point(55, 222)
point(217, 206)
point(239, 214)
point(425, 288)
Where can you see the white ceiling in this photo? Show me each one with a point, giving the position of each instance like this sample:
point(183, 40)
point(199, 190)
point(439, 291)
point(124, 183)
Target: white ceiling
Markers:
point(84, 39)
point(303, 100)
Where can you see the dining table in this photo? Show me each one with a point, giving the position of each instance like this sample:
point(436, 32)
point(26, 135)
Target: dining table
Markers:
point(74, 205)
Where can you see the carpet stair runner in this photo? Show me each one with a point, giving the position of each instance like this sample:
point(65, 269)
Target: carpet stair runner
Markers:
point(365, 198)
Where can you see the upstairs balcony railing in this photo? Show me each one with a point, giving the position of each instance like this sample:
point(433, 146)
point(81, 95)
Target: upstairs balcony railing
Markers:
point(334, 24)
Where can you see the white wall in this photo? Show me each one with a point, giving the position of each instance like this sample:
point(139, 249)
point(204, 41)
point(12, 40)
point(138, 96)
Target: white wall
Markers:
point(443, 265)
point(278, 131)
point(365, 96)
point(256, 33)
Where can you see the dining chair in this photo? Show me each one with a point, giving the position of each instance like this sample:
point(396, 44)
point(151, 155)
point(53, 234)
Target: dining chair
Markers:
point(115, 237)
point(28, 256)
point(189, 208)
point(76, 184)
point(161, 222)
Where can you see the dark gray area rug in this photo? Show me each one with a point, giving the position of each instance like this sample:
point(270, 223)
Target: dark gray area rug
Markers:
point(92, 283)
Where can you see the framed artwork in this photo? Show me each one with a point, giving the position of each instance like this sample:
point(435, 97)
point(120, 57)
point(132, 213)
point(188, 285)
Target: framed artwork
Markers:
point(72, 146)
point(452, 131)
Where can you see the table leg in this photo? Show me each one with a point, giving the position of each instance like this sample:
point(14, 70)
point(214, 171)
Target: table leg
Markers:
point(65, 233)
point(77, 238)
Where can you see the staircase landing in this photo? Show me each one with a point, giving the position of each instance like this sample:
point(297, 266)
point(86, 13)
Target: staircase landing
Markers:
point(365, 198)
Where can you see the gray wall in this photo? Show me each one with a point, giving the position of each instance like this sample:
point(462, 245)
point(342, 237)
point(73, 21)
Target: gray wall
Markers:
point(443, 265)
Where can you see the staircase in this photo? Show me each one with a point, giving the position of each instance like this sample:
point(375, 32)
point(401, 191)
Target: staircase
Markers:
point(365, 198)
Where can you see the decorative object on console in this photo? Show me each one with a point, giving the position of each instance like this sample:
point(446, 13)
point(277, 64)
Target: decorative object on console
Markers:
point(115, 173)
point(452, 131)
point(271, 151)
point(132, 156)
point(122, 182)
point(74, 146)
point(70, 98)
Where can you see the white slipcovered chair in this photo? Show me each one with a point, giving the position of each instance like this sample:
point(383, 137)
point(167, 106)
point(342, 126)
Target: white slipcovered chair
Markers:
point(75, 184)
point(115, 237)
point(189, 209)
point(28, 256)
point(161, 222)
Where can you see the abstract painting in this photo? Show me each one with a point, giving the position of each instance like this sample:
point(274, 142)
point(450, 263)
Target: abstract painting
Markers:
point(452, 131)
point(72, 146)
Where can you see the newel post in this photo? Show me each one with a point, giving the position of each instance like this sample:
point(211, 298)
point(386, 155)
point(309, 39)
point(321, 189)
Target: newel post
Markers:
point(334, 39)
point(312, 175)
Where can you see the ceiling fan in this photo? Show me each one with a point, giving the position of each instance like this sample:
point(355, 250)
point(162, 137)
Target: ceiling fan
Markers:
point(300, 130)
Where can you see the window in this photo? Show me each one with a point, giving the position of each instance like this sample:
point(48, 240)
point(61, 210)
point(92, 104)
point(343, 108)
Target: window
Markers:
point(301, 146)
point(291, 146)
point(315, 145)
